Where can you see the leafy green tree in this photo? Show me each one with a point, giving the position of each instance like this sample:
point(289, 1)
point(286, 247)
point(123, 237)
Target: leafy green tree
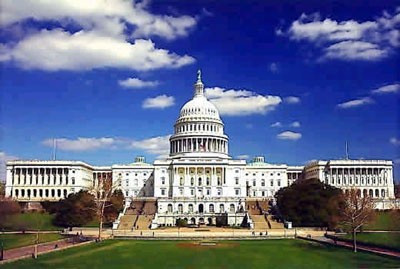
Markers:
point(114, 206)
point(310, 203)
point(76, 210)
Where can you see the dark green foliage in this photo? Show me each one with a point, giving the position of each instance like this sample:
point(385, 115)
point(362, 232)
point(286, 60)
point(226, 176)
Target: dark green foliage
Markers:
point(181, 223)
point(310, 203)
point(50, 207)
point(77, 210)
point(114, 206)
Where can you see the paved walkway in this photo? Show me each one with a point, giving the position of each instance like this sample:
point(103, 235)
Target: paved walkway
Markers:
point(23, 252)
point(360, 246)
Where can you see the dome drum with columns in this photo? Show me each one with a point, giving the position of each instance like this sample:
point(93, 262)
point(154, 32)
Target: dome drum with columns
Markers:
point(199, 131)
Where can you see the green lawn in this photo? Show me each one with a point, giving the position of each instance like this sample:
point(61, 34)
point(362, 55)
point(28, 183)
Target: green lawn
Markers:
point(30, 221)
point(385, 220)
point(183, 254)
point(382, 239)
point(20, 240)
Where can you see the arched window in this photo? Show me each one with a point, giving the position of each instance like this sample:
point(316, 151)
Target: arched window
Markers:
point(371, 193)
point(208, 181)
point(376, 193)
point(169, 208)
point(53, 193)
point(181, 181)
point(192, 181)
point(211, 208)
point(65, 194)
point(59, 193)
point(34, 193)
point(16, 193)
point(23, 193)
point(221, 208)
point(200, 181)
point(46, 192)
point(232, 208)
point(29, 193)
point(383, 193)
point(190, 208)
point(180, 208)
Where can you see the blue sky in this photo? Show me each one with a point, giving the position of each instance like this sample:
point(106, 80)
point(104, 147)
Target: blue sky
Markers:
point(293, 81)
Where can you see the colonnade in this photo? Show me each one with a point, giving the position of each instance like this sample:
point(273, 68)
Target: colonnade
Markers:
point(198, 145)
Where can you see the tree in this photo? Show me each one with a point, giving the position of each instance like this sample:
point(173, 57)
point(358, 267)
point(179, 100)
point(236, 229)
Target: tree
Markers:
point(2, 189)
point(8, 207)
point(397, 190)
point(310, 203)
point(107, 198)
point(356, 211)
point(75, 210)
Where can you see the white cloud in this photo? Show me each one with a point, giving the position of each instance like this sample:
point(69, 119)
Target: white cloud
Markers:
point(273, 67)
point(393, 88)
point(54, 50)
point(292, 100)
point(4, 157)
point(349, 39)
point(395, 141)
point(356, 103)
point(161, 101)
point(295, 124)
point(156, 145)
point(136, 83)
point(355, 50)
point(113, 17)
point(81, 143)
point(289, 135)
point(243, 157)
point(241, 102)
point(277, 124)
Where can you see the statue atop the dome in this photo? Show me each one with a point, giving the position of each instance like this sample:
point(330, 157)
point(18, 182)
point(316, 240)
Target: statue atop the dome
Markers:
point(199, 76)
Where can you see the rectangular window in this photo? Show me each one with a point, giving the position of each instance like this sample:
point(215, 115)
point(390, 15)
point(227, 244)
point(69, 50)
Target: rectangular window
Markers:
point(236, 180)
point(162, 192)
point(237, 192)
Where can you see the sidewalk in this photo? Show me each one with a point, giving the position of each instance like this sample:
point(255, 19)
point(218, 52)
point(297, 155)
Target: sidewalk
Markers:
point(360, 246)
point(25, 252)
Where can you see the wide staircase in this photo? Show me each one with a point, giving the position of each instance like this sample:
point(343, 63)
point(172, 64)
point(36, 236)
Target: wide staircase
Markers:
point(139, 215)
point(258, 211)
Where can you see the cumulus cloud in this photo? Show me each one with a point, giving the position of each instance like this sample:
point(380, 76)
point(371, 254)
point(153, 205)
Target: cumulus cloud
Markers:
point(54, 50)
point(289, 135)
point(156, 145)
point(136, 83)
point(356, 103)
point(4, 157)
point(81, 143)
point(349, 39)
point(113, 17)
point(392, 88)
point(395, 141)
point(292, 100)
point(295, 124)
point(241, 102)
point(276, 124)
point(110, 34)
point(161, 101)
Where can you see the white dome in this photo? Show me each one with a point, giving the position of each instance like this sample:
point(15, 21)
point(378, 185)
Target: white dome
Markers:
point(199, 106)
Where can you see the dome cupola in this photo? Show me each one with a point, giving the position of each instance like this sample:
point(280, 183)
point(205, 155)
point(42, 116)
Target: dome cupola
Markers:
point(199, 130)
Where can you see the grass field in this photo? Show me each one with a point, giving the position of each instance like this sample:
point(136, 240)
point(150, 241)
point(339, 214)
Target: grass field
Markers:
point(391, 240)
point(226, 254)
point(30, 221)
point(21, 240)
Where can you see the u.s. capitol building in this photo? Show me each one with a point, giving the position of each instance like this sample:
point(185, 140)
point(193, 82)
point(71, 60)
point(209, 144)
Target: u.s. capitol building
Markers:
point(199, 179)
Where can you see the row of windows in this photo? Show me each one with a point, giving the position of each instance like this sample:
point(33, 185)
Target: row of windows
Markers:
point(19, 171)
point(271, 174)
point(42, 181)
point(356, 181)
point(188, 111)
point(197, 127)
point(201, 208)
point(40, 193)
point(263, 183)
point(372, 193)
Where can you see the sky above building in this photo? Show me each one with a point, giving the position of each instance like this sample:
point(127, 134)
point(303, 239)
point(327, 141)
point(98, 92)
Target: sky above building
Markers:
point(293, 81)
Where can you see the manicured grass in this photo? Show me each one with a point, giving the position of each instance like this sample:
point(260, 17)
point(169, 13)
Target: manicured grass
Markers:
point(30, 221)
point(21, 240)
point(385, 220)
point(227, 254)
point(391, 240)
